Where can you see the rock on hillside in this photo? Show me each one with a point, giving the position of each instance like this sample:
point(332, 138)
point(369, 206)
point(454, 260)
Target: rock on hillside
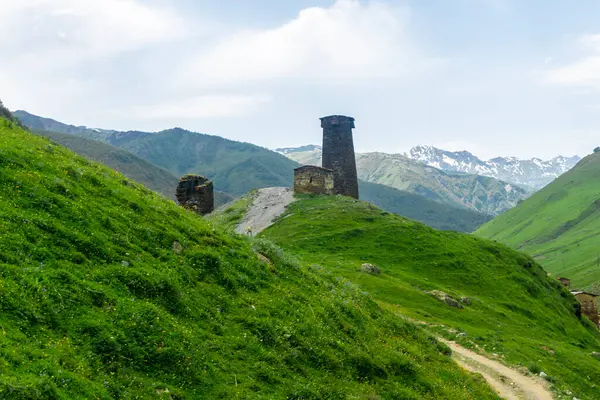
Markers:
point(532, 174)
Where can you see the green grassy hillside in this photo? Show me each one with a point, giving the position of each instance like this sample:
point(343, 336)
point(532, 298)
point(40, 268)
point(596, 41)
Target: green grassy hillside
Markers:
point(154, 178)
point(108, 290)
point(515, 310)
point(559, 225)
point(130, 165)
point(429, 212)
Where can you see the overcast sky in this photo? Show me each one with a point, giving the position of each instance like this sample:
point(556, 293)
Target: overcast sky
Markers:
point(495, 77)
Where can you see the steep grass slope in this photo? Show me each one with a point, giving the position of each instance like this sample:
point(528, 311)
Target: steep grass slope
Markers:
point(151, 176)
point(130, 165)
point(108, 290)
point(515, 310)
point(559, 225)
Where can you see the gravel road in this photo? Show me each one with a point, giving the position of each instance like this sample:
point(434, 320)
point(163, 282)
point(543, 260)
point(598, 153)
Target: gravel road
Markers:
point(268, 204)
point(508, 383)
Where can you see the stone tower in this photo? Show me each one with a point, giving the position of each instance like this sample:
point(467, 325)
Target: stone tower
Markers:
point(195, 193)
point(338, 153)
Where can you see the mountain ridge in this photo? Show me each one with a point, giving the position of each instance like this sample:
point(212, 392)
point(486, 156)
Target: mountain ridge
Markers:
point(530, 174)
point(482, 194)
point(212, 156)
point(534, 173)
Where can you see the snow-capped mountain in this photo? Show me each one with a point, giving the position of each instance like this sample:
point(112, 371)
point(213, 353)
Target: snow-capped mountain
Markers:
point(484, 194)
point(290, 150)
point(532, 174)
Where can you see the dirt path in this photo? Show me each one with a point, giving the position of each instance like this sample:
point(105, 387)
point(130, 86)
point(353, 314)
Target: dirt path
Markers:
point(508, 383)
point(268, 204)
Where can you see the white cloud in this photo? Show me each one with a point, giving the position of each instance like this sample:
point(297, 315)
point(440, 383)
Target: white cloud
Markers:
point(63, 56)
point(350, 39)
point(581, 72)
point(84, 27)
point(80, 60)
point(210, 106)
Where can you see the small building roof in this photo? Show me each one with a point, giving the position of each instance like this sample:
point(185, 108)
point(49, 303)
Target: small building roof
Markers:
point(314, 167)
point(575, 293)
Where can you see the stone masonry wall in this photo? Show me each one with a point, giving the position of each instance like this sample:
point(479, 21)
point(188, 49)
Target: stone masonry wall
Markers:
point(313, 179)
point(589, 306)
point(338, 153)
point(196, 193)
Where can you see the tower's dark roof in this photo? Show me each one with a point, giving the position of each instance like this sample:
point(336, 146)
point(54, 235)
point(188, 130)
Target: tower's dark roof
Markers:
point(339, 117)
point(336, 120)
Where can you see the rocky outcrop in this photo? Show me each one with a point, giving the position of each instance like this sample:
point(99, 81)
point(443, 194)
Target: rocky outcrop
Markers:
point(196, 193)
point(370, 269)
point(446, 298)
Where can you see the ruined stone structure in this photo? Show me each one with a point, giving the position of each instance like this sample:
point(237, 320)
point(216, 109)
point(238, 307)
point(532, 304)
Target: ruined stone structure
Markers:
point(313, 179)
point(196, 193)
point(565, 281)
point(589, 305)
point(338, 153)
